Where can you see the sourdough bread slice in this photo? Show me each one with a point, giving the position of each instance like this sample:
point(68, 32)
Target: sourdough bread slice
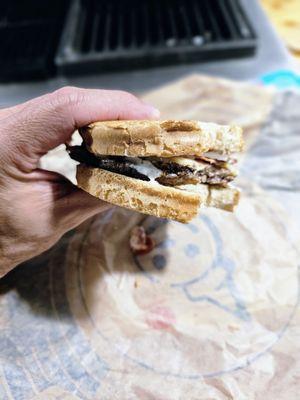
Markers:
point(160, 138)
point(179, 204)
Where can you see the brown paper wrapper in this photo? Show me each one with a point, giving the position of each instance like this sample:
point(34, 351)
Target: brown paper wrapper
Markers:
point(210, 313)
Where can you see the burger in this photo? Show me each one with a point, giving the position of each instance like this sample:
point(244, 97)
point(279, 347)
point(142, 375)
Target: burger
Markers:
point(169, 169)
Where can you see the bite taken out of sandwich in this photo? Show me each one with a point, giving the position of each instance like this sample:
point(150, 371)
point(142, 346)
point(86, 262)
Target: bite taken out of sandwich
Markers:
point(169, 169)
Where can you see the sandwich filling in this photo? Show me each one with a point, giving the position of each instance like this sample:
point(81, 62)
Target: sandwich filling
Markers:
point(212, 169)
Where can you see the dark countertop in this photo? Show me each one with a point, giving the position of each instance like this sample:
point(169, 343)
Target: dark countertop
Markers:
point(271, 55)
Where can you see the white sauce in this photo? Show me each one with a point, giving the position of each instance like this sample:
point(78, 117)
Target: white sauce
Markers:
point(146, 168)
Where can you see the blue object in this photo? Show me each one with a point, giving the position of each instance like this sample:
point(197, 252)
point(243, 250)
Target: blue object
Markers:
point(281, 79)
point(159, 261)
point(191, 250)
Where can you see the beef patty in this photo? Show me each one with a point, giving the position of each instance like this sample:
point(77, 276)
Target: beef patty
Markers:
point(213, 172)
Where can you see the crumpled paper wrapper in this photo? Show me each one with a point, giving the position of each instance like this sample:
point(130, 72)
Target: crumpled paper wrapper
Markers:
point(211, 313)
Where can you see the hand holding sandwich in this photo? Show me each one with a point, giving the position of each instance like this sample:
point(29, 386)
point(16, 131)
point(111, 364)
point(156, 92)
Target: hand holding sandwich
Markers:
point(36, 206)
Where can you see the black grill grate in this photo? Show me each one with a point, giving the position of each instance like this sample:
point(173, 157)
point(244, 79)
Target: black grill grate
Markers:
point(29, 36)
point(121, 34)
point(117, 34)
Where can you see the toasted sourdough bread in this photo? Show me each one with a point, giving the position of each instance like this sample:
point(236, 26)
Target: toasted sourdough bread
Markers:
point(151, 198)
point(160, 138)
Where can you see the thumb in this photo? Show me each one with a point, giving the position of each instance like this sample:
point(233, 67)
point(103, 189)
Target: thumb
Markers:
point(35, 127)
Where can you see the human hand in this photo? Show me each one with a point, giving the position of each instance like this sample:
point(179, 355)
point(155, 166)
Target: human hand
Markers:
point(37, 206)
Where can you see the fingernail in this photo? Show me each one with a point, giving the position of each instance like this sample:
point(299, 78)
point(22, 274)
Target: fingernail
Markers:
point(154, 112)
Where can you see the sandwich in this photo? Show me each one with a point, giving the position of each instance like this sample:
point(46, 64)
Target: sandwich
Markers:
point(169, 169)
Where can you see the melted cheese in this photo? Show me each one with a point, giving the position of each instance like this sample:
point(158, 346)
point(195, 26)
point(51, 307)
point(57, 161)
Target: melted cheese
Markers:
point(198, 165)
point(216, 156)
point(188, 162)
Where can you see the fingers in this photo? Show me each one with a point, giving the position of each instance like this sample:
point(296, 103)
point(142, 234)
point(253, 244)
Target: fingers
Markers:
point(53, 204)
point(68, 205)
point(75, 207)
point(35, 127)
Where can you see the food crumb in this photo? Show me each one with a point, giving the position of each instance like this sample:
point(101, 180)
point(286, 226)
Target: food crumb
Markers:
point(139, 242)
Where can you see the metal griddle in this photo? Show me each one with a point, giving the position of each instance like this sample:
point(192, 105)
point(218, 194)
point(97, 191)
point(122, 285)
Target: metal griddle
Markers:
point(118, 35)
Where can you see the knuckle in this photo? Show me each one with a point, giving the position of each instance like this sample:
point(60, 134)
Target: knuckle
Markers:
point(65, 91)
point(66, 96)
